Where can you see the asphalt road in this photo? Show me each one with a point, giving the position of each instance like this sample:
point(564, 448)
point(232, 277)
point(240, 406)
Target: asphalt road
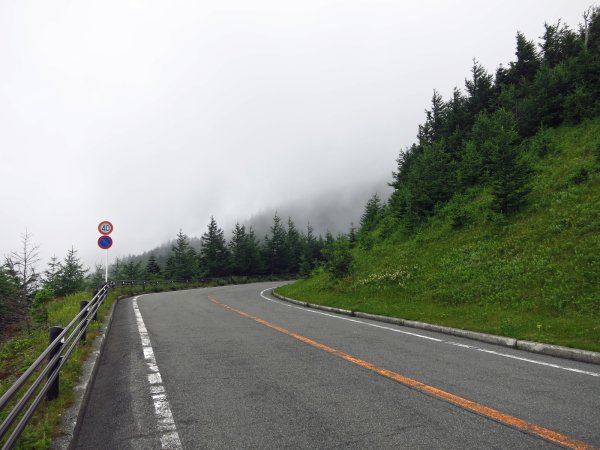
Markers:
point(230, 367)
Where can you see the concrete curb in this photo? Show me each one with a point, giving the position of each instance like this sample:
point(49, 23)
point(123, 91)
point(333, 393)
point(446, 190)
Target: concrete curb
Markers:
point(533, 347)
point(73, 415)
point(561, 352)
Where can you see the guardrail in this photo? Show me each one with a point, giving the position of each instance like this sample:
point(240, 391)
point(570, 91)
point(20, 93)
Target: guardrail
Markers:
point(55, 355)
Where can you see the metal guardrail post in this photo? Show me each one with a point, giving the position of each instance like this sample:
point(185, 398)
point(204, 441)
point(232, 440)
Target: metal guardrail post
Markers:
point(53, 333)
point(83, 305)
point(94, 293)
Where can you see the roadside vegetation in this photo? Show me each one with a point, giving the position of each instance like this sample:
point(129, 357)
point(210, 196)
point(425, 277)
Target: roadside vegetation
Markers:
point(22, 349)
point(494, 221)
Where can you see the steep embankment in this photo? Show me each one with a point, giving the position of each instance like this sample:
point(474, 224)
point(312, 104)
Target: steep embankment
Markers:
point(532, 275)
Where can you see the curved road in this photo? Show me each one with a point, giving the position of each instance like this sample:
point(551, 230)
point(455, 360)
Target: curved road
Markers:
point(232, 367)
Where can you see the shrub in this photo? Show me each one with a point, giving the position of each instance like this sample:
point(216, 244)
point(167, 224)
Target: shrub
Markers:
point(338, 257)
point(42, 296)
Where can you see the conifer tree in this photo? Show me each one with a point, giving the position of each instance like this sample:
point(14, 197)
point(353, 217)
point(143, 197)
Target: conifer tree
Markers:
point(71, 277)
point(509, 175)
point(431, 130)
point(96, 278)
point(329, 239)
point(116, 270)
point(293, 247)
point(214, 256)
point(371, 216)
point(276, 257)
point(152, 268)
point(133, 270)
point(352, 234)
point(23, 264)
point(244, 251)
point(183, 262)
point(51, 274)
point(558, 43)
point(456, 124)
point(311, 253)
point(480, 92)
point(8, 282)
point(527, 62)
point(170, 272)
point(255, 262)
point(11, 310)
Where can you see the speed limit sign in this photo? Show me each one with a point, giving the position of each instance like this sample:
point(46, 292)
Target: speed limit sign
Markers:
point(105, 227)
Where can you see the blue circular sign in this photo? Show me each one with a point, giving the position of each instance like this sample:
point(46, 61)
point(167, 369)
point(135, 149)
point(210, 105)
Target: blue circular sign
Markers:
point(105, 242)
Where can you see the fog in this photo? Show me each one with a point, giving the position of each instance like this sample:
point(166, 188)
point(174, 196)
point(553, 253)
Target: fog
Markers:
point(157, 115)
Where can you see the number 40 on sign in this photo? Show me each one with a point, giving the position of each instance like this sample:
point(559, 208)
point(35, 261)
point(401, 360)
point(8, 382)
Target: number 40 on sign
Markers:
point(105, 227)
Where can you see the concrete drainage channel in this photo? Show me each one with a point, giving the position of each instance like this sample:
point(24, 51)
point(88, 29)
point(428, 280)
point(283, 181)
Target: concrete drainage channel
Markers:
point(534, 347)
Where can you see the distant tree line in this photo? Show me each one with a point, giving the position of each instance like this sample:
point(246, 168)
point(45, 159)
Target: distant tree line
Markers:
point(285, 250)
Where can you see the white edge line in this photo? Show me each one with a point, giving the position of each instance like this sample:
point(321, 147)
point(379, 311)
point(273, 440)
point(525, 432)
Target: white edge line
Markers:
point(421, 336)
point(169, 438)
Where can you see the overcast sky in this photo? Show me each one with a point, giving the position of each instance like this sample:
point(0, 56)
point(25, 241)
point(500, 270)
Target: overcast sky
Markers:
point(156, 115)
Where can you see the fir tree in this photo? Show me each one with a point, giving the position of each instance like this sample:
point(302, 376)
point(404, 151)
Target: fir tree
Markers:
point(311, 252)
point(133, 270)
point(293, 247)
point(96, 278)
point(214, 256)
point(558, 44)
point(276, 257)
point(480, 92)
point(352, 234)
point(11, 310)
point(509, 175)
point(372, 214)
point(244, 251)
point(182, 263)
point(456, 123)
point(152, 268)
point(51, 274)
point(116, 270)
point(527, 62)
point(71, 277)
point(431, 130)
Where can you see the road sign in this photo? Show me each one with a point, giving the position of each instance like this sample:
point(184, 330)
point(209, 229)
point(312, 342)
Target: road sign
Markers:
point(105, 242)
point(105, 227)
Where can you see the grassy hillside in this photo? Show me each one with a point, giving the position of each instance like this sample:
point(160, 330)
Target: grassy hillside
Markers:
point(532, 275)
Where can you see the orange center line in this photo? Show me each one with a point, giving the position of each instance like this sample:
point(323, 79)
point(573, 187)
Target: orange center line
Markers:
point(469, 405)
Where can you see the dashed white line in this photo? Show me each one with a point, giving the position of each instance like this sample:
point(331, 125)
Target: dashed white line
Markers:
point(429, 338)
point(169, 438)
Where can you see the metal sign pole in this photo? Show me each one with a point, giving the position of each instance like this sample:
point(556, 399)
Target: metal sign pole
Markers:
point(106, 268)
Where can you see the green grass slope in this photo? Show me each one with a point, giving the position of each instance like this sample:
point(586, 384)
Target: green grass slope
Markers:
point(534, 275)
